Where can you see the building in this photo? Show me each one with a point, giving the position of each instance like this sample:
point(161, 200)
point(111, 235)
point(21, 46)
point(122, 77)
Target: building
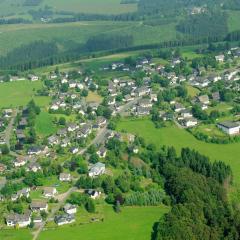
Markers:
point(96, 169)
point(102, 152)
point(21, 220)
point(190, 122)
point(65, 177)
point(93, 193)
point(33, 167)
point(64, 219)
point(204, 99)
point(20, 161)
point(70, 209)
point(49, 192)
point(229, 127)
point(37, 206)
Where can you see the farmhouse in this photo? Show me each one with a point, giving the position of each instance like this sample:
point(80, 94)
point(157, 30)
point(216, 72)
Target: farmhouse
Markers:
point(230, 127)
point(204, 99)
point(190, 122)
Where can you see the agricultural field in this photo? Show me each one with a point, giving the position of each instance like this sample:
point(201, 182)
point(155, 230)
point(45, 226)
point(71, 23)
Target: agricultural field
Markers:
point(19, 93)
point(139, 225)
point(16, 8)
point(179, 138)
point(20, 234)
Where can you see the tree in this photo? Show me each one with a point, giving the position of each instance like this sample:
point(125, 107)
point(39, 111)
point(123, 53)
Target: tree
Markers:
point(90, 206)
point(62, 121)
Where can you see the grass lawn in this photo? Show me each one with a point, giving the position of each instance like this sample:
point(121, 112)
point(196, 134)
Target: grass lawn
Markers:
point(133, 223)
point(179, 138)
point(14, 94)
point(192, 91)
point(93, 97)
point(20, 234)
point(44, 124)
point(211, 130)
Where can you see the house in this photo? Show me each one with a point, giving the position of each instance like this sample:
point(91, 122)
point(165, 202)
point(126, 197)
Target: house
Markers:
point(74, 150)
point(20, 135)
point(72, 127)
point(65, 142)
point(23, 123)
point(35, 150)
point(145, 103)
point(186, 113)
point(102, 152)
point(20, 161)
point(93, 193)
point(143, 111)
point(101, 122)
point(37, 219)
point(65, 177)
point(128, 98)
point(230, 127)
point(37, 206)
point(216, 96)
point(25, 192)
point(178, 107)
point(96, 169)
point(204, 99)
point(64, 219)
point(220, 58)
point(33, 78)
point(53, 140)
point(2, 168)
point(111, 101)
point(143, 91)
point(190, 122)
point(69, 208)
point(33, 167)
point(62, 132)
point(20, 220)
point(49, 192)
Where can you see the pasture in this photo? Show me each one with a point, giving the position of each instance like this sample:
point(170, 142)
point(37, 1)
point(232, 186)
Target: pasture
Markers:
point(133, 223)
point(19, 93)
point(179, 138)
point(20, 234)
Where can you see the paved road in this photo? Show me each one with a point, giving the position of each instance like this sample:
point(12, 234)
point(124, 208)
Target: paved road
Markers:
point(9, 129)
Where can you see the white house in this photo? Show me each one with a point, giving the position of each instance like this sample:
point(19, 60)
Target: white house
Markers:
point(36, 206)
point(49, 192)
point(22, 220)
point(190, 122)
point(97, 169)
point(65, 177)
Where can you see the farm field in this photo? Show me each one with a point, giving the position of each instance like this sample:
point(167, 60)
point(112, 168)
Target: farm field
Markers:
point(69, 34)
point(15, 94)
point(179, 138)
point(16, 8)
point(139, 225)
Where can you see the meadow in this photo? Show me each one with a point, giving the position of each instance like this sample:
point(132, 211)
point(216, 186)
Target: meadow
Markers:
point(133, 223)
point(20, 234)
point(19, 93)
point(179, 138)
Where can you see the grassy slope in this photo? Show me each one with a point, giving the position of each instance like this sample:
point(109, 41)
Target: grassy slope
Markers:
point(179, 138)
point(133, 223)
point(19, 93)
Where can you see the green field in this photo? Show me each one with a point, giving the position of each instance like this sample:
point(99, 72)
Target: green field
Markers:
point(14, 94)
point(179, 138)
point(68, 34)
point(20, 234)
point(16, 8)
point(44, 124)
point(133, 223)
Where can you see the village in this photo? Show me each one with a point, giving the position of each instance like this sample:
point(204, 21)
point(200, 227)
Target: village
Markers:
point(81, 145)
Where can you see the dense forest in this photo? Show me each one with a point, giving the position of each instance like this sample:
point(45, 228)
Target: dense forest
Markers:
point(206, 24)
point(199, 202)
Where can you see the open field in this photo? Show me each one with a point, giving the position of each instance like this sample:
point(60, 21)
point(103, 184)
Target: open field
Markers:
point(68, 34)
point(233, 20)
point(133, 223)
point(179, 138)
point(14, 94)
point(16, 8)
point(93, 97)
point(192, 91)
point(21, 234)
point(44, 124)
